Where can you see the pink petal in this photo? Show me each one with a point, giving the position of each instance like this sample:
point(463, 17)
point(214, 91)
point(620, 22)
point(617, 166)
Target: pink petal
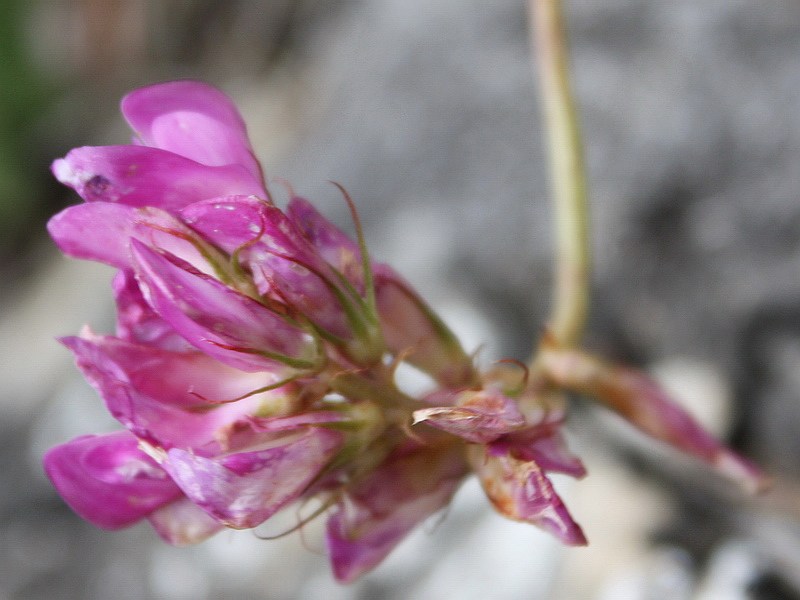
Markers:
point(182, 523)
point(244, 489)
point(102, 231)
point(332, 243)
point(409, 325)
point(520, 490)
point(136, 321)
point(143, 176)
point(192, 119)
point(546, 446)
point(284, 265)
point(216, 319)
point(479, 417)
point(99, 231)
point(647, 406)
point(176, 378)
point(277, 424)
point(230, 222)
point(158, 395)
point(107, 480)
point(387, 504)
point(412, 329)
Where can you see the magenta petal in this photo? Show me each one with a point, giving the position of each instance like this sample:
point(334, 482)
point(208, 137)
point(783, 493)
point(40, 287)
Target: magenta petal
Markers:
point(176, 378)
point(143, 176)
point(328, 239)
point(332, 243)
point(107, 480)
point(218, 320)
point(232, 221)
point(182, 523)
point(283, 263)
point(102, 231)
point(97, 231)
point(192, 119)
point(158, 395)
point(136, 321)
point(244, 489)
point(480, 417)
point(546, 446)
point(520, 490)
point(387, 504)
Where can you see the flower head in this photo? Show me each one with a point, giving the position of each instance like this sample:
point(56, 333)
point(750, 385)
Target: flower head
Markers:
point(254, 358)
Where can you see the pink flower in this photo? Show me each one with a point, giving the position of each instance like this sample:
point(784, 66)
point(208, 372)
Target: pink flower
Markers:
point(254, 358)
point(414, 482)
point(108, 480)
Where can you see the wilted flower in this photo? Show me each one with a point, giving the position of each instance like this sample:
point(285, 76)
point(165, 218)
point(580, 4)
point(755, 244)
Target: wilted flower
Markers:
point(254, 360)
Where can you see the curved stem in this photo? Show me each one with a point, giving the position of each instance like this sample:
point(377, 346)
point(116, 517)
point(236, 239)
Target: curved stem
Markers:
point(568, 179)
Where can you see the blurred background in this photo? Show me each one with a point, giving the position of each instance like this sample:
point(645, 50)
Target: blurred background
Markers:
point(426, 111)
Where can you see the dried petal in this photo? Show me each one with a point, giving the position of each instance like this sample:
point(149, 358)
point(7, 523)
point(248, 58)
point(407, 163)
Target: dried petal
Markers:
point(479, 417)
point(412, 329)
point(520, 490)
point(182, 523)
point(647, 406)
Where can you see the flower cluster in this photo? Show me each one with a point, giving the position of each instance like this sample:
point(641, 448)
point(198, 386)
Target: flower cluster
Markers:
point(253, 365)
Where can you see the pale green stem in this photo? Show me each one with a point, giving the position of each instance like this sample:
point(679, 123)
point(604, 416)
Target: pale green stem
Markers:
point(568, 179)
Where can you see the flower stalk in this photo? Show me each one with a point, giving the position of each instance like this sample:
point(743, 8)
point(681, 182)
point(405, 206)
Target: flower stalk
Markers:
point(567, 173)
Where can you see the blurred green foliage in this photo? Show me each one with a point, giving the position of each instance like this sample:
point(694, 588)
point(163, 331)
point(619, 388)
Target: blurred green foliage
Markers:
point(24, 94)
